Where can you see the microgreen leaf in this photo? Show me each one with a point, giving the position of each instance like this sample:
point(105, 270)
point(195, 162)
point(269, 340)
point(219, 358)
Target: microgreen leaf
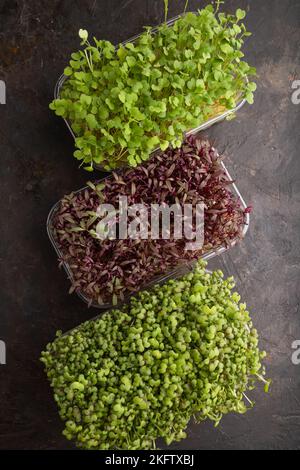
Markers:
point(83, 34)
point(122, 96)
point(252, 86)
point(226, 48)
point(249, 97)
point(240, 14)
point(91, 121)
point(164, 144)
point(68, 71)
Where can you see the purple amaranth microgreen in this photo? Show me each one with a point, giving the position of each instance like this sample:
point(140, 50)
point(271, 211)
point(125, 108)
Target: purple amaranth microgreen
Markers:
point(109, 270)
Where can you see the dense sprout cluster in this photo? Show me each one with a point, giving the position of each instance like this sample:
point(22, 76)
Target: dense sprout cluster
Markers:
point(125, 102)
point(107, 271)
point(187, 348)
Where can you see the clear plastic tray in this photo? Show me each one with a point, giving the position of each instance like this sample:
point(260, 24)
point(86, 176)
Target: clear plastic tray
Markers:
point(160, 278)
point(201, 127)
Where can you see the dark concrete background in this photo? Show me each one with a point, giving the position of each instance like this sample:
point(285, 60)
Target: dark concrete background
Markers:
point(37, 168)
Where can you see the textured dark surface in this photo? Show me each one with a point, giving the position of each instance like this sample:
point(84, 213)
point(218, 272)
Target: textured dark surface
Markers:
point(37, 168)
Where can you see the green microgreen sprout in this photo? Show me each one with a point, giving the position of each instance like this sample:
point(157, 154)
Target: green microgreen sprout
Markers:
point(184, 349)
point(124, 102)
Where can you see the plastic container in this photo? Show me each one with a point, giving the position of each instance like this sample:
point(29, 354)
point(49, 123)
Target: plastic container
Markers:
point(160, 278)
point(201, 127)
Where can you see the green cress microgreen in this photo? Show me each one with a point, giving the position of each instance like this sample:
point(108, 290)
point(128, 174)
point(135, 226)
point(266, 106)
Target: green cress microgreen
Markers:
point(181, 350)
point(125, 102)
